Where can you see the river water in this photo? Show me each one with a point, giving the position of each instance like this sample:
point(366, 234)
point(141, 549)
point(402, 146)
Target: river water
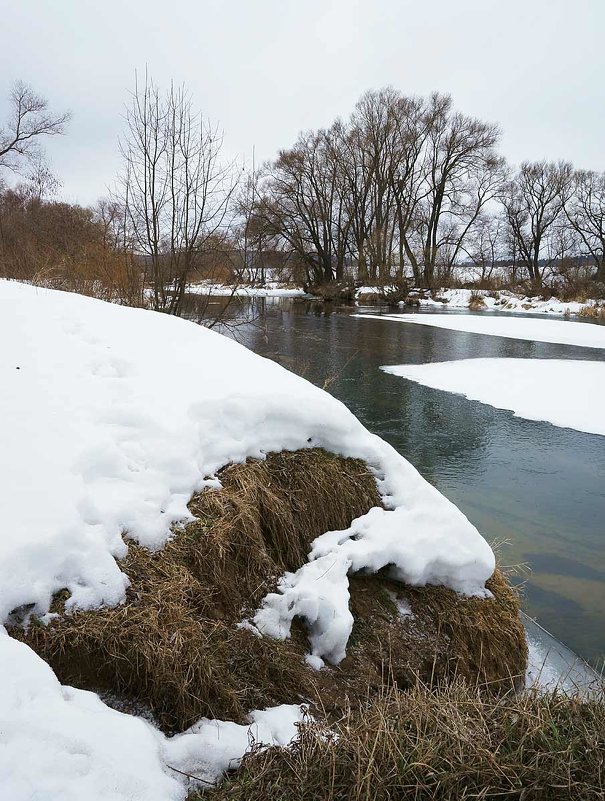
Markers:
point(536, 492)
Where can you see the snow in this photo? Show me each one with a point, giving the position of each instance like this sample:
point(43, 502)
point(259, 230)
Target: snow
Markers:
point(368, 290)
point(110, 419)
point(270, 290)
point(403, 606)
point(318, 591)
point(212, 747)
point(373, 290)
point(565, 392)
point(563, 332)
point(63, 744)
point(503, 301)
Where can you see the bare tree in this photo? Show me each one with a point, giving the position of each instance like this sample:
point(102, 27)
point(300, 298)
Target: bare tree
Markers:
point(303, 202)
point(486, 246)
point(414, 120)
point(375, 133)
point(175, 192)
point(463, 174)
point(533, 203)
point(585, 213)
point(29, 121)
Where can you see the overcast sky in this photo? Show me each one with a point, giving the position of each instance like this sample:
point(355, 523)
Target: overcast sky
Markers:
point(265, 69)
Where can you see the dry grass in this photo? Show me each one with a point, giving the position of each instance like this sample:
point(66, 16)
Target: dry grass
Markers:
point(175, 647)
point(445, 637)
point(476, 302)
point(334, 292)
point(596, 312)
point(445, 744)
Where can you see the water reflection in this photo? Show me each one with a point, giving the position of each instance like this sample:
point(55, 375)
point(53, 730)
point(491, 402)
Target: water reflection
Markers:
point(538, 487)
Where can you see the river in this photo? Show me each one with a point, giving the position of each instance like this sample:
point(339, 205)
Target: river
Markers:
point(536, 492)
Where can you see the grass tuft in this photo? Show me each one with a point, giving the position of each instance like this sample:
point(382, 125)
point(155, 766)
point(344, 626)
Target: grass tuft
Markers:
point(444, 744)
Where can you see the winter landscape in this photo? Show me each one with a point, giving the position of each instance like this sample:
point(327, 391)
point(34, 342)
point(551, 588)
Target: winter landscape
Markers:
point(301, 417)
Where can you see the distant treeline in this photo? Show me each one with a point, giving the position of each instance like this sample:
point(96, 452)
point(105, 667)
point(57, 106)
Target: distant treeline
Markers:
point(411, 186)
point(404, 189)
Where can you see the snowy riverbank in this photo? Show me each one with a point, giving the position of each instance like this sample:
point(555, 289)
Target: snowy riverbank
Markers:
point(562, 332)
point(503, 301)
point(111, 418)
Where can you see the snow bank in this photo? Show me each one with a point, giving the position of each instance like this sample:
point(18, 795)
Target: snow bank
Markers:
point(373, 290)
point(110, 418)
point(565, 392)
point(505, 301)
point(62, 744)
point(270, 290)
point(563, 332)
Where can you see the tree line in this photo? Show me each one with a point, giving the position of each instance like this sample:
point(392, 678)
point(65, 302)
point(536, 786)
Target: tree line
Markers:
point(405, 189)
point(412, 187)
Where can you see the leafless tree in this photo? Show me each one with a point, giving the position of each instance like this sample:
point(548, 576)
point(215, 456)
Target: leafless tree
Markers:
point(533, 203)
point(303, 202)
point(585, 213)
point(29, 121)
point(414, 120)
point(486, 246)
point(463, 174)
point(255, 236)
point(401, 181)
point(374, 134)
point(175, 192)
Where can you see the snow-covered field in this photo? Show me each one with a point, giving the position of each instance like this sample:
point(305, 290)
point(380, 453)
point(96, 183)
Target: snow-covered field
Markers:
point(565, 392)
point(110, 418)
point(270, 290)
point(563, 332)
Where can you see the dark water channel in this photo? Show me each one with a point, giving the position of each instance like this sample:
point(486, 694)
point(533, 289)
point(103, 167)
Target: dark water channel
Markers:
point(535, 491)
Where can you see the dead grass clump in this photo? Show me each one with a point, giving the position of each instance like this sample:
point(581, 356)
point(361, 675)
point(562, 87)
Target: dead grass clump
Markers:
point(451, 743)
point(370, 297)
point(175, 645)
point(595, 312)
point(443, 637)
point(476, 302)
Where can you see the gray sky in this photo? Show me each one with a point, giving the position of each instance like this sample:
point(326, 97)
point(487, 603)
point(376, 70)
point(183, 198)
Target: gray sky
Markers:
point(265, 69)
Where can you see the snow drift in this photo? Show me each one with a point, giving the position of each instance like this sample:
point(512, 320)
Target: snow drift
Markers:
point(110, 419)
